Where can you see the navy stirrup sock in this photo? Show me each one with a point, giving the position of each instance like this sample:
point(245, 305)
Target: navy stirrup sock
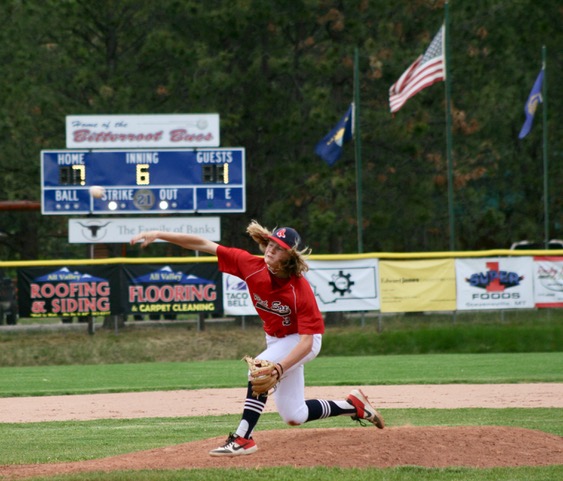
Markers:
point(321, 409)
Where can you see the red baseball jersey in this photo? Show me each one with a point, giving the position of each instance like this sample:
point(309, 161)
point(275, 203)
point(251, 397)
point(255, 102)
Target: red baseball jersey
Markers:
point(287, 306)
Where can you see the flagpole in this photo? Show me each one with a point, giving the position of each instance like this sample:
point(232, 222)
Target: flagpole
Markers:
point(358, 153)
point(449, 128)
point(545, 150)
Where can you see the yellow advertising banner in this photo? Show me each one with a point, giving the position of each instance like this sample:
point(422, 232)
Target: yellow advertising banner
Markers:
point(419, 285)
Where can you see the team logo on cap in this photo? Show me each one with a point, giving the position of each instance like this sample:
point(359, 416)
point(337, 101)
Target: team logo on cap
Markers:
point(281, 233)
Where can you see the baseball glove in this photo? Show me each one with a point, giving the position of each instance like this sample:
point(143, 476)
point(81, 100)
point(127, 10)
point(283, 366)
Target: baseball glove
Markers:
point(263, 375)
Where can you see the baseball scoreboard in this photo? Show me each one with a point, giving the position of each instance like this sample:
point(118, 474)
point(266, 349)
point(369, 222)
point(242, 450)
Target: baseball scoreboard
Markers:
point(143, 181)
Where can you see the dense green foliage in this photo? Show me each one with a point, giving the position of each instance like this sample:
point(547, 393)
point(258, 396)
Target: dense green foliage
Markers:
point(281, 74)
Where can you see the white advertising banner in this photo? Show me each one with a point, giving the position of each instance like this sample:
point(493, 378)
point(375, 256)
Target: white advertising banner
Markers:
point(345, 285)
point(338, 286)
point(142, 131)
point(120, 230)
point(548, 281)
point(236, 298)
point(495, 283)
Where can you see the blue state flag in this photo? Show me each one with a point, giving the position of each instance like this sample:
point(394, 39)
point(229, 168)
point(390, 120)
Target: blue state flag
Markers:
point(531, 105)
point(330, 147)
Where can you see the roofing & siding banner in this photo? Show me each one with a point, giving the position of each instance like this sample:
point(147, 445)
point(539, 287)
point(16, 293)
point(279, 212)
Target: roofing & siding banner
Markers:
point(74, 291)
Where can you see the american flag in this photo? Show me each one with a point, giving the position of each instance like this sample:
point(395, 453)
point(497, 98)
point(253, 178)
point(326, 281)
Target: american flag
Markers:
point(426, 70)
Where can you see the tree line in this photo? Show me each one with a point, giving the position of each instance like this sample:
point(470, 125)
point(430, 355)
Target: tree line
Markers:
point(280, 74)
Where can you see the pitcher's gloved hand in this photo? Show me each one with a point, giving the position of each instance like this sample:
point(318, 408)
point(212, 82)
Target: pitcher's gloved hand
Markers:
point(263, 375)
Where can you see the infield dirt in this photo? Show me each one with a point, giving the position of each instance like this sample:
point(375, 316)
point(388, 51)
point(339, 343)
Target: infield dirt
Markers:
point(469, 446)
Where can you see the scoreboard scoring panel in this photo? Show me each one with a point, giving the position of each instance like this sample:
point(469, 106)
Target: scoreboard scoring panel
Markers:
point(143, 181)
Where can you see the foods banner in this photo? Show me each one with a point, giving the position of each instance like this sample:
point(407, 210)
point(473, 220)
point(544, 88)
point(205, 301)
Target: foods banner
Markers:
point(495, 283)
point(75, 291)
point(170, 290)
point(548, 281)
point(423, 285)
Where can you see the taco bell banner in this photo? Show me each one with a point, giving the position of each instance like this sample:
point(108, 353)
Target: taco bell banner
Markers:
point(548, 281)
point(74, 291)
point(495, 283)
point(171, 289)
point(236, 298)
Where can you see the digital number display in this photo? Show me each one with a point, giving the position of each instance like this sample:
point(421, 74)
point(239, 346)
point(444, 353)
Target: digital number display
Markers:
point(72, 175)
point(166, 181)
point(76, 174)
point(215, 174)
point(143, 175)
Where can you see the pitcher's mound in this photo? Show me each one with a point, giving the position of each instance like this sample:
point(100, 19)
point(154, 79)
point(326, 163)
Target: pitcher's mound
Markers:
point(432, 447)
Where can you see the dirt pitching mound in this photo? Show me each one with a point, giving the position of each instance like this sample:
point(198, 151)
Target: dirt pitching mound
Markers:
point(432, 447)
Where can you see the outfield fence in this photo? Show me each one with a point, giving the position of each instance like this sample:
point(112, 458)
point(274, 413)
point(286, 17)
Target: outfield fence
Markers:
point(381, 283)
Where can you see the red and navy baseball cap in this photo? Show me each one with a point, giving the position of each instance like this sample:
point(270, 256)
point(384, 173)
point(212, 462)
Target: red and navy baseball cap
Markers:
point(286, 237)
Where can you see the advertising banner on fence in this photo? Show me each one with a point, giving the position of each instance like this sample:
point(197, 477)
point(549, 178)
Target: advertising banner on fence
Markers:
point(338, 286)
point(344, 285)
point(548, 281)
point(173, 289)
point(495, 283)
point(413, 286)
point(236, 298)
point(75, 291)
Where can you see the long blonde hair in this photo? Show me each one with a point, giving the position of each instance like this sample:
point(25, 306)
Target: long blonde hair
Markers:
point(295, 264)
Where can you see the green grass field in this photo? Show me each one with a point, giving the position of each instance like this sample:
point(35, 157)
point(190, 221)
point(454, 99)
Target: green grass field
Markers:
point(76, 440)
point(69, 441)
point(324, 371)
point(144, 360)
point(322, 474)
point(489, 332)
